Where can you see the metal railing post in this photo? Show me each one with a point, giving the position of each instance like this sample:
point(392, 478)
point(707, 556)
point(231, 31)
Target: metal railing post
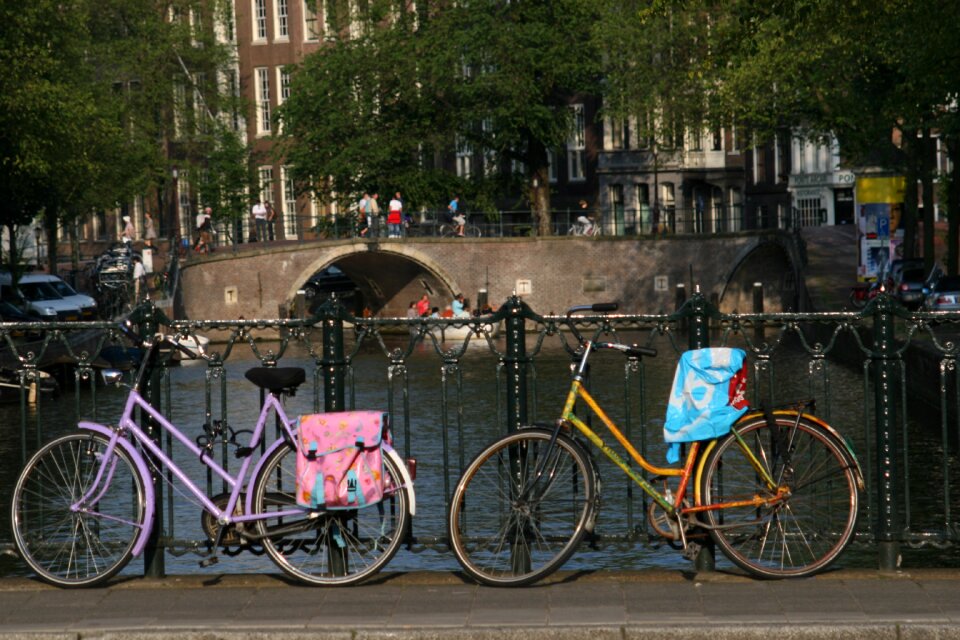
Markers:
point(516, 363)
point(699, 338)
point(333, 364)
point(886, 387)
point(154, 562)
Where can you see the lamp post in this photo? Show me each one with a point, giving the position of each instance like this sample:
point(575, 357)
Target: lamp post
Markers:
point(175, 210)
point(37, 232)
point(656, 190)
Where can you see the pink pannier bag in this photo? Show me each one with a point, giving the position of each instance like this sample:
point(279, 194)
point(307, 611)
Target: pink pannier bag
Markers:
point(339, 459)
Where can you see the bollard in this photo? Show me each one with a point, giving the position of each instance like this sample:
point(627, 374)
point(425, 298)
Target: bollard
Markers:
point(886, 383)
point(680, 299)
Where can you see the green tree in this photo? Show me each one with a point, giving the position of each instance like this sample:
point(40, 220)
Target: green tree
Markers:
point(384, 109)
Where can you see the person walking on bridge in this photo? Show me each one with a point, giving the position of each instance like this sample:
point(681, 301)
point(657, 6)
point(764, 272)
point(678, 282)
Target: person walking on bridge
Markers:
point(394, 216)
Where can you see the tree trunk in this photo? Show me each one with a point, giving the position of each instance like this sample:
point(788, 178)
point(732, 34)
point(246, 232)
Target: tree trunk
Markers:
point(50, 225)
point(13, 259)
point(539, 187)
point(75, 245)
point(909, 216)
point(953, 206)
point(926, 178)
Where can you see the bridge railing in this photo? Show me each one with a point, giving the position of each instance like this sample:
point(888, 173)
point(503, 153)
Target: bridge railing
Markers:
point(884, 377)
point(617, 221)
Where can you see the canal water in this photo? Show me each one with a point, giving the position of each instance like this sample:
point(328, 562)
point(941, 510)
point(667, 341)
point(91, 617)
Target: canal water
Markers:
point(474, 408)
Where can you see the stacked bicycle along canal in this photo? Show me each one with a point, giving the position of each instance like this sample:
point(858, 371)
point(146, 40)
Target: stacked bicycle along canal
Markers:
point(449, 400)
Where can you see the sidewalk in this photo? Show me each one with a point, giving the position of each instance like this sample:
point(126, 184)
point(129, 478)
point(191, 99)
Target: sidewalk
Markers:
point(601, 605)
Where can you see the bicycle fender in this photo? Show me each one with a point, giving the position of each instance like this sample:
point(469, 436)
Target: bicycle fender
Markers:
point(248, 503)
point(145, 474)
point(407, 480)
point(836, 434)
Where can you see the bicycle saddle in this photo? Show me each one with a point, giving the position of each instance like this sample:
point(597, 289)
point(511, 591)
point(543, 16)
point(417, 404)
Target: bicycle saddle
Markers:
point(276, 379)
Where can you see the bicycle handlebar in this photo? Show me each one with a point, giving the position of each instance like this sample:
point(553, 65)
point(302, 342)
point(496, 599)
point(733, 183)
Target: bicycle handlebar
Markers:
point(634, 351)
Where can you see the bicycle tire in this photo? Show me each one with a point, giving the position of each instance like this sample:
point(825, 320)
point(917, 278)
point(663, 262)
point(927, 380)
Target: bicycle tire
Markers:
point(446, 231)
point(472, 231)
point(332, 548)
point(500, 534)
point(801, 535)
point(77, 548)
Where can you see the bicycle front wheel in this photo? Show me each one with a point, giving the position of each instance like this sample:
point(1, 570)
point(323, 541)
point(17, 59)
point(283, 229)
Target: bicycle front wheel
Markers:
point(472, 231)
point(71, 543)
point(337, 547)
point(521, 507)
point(806, 530)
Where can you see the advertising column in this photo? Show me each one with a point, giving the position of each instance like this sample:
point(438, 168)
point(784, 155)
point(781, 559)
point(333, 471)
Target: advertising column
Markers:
point(879, 206)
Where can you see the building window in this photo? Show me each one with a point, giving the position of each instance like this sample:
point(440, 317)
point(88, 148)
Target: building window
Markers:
point(233, 89)
point(717, 139)
point(183, 208)
point(464, 158)
point(259, 20)
point(311, 25)
point(552, 165)
point(263, 100)
point(282, 19)
point(290, 227)
point(808, 212)
point(618, 134)
point(489, 155)
point(576, 146)
point(283, 82)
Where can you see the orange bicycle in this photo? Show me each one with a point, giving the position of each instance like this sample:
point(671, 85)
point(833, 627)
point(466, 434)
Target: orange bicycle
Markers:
point(778, 494)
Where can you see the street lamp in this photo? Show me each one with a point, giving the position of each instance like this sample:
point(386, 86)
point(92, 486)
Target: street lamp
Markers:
point(656, 189)
point(175, 210)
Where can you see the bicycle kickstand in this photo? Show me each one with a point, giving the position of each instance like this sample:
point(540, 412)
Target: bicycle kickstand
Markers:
point(213, 559)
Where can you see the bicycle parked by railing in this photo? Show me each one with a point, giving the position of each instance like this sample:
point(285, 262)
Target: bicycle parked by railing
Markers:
point(778, 493)
point(84, 504)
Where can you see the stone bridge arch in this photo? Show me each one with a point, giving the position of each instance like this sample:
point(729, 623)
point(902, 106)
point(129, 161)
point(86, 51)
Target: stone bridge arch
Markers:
point(775, 261)
point(388, 277)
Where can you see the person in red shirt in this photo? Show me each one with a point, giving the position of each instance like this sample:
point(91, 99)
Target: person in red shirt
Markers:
point(423, 306)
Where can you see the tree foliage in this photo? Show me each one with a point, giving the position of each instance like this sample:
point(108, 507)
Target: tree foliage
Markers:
point(87, 102)
point(382, 111)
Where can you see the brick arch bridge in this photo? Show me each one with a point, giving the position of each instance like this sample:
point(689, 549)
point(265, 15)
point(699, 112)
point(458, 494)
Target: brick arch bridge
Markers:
point(557, 272)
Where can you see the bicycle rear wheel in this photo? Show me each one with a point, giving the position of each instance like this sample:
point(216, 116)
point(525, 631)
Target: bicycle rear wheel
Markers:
point(86, 546)
point(339, 547)
point(521, 507)
point(805, 532)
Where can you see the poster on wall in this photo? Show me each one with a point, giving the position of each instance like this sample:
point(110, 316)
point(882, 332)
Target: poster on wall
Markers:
point(879, 205)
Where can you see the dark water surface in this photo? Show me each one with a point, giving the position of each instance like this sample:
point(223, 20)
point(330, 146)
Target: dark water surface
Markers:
point(474, 409)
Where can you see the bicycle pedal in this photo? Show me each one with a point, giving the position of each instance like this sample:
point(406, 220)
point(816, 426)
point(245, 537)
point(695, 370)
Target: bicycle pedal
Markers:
point(209, 562)
point(691, 551)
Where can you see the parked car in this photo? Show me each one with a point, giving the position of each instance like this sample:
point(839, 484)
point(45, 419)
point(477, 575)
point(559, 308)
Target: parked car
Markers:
point(38, 299)
point(86, 304)
point(944, 295)
point(9, 312)
point(909, 286)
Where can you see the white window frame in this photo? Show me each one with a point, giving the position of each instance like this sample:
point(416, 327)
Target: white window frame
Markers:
point(281, 20)
point(552, 174)
point(183, 207)
point(464, 158)
point(283, 84)
point(262, 90)
point(314, 34)
point(258, 14)
point(289, 211)
point(265, 181)
point(576, 146)
point(489, 155)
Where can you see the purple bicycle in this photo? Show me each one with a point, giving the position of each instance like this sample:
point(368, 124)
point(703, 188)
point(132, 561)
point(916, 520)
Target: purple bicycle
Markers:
point(83, 506)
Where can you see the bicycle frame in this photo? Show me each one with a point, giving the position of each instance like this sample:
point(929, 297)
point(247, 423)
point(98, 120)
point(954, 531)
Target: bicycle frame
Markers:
point(685, 473)
point(127, 432)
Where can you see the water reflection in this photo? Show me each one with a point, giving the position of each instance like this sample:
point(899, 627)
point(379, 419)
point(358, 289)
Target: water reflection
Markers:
point(451, 412)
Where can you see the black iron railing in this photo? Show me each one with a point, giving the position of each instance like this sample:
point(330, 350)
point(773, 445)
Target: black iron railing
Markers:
point(886, 378)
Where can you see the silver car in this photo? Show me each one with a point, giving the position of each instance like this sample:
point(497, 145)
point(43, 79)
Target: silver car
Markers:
point(944, 295)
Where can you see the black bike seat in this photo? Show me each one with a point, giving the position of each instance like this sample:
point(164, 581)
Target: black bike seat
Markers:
point(276, 378)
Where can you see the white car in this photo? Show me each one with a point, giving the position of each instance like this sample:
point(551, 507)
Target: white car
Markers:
point(86, 304)
point(39, 299)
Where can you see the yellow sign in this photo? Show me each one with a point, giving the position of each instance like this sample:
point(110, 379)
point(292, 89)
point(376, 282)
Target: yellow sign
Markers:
point(889, 190)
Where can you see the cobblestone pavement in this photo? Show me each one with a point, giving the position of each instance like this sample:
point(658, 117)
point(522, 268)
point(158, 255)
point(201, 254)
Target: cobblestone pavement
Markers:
point(642, 604)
